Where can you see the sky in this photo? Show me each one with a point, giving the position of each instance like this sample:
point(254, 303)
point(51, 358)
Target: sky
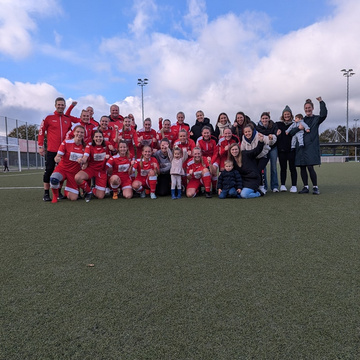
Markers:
point(210, 55)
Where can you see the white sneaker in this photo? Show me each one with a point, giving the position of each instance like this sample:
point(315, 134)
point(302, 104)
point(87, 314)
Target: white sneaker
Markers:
point(262, 189)
point(283, 188)
point(293, 189)
point(153, 196)
point(275, 190)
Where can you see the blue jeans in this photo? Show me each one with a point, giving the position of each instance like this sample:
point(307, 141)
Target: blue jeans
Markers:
point(272, 155)
point(231, 193)
point(247, 193)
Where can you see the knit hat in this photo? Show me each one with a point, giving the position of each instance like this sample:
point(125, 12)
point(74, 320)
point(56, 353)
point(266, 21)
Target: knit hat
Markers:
point(287, 108)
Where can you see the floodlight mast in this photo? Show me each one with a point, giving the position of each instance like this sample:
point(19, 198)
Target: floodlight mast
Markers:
point(142, 83)
point(348, 74)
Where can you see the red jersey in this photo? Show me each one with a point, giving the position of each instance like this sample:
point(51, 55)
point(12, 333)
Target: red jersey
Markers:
point(131, 139)
point(119, 122)
point(108, 134)
point(89, 131)
point(189, 145)
point(177, 127)
point(96, 156)
point(144, 167)
point(56, 127)
point(209, 148)
point(75, 119)
point(70, 153)
point(119, 164)
point(148, 138)
point(196, 167)
point(169, 135)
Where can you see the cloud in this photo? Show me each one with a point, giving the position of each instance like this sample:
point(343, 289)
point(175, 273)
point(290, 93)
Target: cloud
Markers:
point(145, 15)
point(17, 24)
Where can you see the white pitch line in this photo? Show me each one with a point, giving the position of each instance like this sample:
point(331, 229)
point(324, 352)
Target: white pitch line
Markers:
point(20, 187)
point(20, 174)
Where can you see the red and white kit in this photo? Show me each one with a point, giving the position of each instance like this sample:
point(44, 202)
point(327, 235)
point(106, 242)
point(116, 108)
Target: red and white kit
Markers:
point(89, 131)
point(169, 135)
point(176, 128)
point(189, 145)
point(222, 144)
point(210, 149)
point(148, 138)
point(121, 166)
point(69, 166)
point(131, 139)
point(143, 168)
point(197, 177)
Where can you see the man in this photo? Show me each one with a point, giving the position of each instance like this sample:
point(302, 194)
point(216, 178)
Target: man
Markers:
point(55, 126)
point(115, 117)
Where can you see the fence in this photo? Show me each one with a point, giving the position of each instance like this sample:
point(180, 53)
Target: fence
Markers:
point(18, 144)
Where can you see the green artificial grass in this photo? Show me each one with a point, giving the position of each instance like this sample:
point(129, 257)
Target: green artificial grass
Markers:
point(270, 278)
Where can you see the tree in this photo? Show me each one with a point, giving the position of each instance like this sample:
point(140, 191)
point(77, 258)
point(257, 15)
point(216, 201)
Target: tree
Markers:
point(31, 130)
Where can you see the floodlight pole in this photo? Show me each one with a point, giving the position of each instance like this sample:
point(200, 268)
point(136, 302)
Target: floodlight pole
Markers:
point(142, 83)
point(356, 130)
point(348, 74)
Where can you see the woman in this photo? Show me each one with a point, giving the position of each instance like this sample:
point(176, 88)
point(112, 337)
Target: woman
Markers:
point(165, 132)
point(180, 124)
point(197, 172)
point(250, 141)
point(223, 123)
point(224, 145)
point(285, 155)
point(69, 159)
point(239, 123)
point(309, 155)
point(245, 162)
point(209, 150)
point(129, 135)
point(267, 127)
point(201, 121)
point(163, 186)
point(94, 161)
point(146, 136)
point(147, 170)
point(120, 167)
point(183, 142)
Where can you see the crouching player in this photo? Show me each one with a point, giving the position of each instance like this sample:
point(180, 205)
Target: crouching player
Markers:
point(197, 172)
point(69, 157)
point(94, 160)
point(120, 167)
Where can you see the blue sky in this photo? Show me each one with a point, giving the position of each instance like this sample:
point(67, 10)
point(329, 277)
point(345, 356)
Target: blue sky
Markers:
point(211, 55)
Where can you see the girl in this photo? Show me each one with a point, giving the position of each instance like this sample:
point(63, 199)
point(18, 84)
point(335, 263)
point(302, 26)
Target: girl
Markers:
point(69, 159)
point(224, 145)
point(147, 169)
point(197, 172)
point(146, 136)
point(165, 132)
point(309, 155)
point(180, 125)
point(108, 132)
point(239, 123)
point(184, 142)
point(223, 123)
point(129, 135)
point(245, 162)
point(201, 121)
point(210, 150)
point(120, 168)
point(178, 158)
point(94, 161)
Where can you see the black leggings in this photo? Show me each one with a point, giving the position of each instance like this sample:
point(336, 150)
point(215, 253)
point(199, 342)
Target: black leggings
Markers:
point(49, 165)
point(304, 175)
point(284, 158)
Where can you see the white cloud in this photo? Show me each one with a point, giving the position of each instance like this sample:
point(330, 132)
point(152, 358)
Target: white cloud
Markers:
point(17, 24)
point(145, 15)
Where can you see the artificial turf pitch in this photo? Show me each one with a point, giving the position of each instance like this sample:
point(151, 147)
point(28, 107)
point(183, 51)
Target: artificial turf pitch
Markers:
point(270, 278)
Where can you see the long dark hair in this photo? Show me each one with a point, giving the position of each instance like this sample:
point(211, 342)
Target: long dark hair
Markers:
point(93, 141)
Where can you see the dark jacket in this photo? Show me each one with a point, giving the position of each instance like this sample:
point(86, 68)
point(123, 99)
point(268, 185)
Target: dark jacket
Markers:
point(249, 171)
point(229, 179)
point(271, 129)
point(309, 154)
point(283, 141)
point(197, 128)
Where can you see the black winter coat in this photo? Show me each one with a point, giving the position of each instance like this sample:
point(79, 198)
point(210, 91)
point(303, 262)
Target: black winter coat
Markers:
point(197, 128)
point(229, 179)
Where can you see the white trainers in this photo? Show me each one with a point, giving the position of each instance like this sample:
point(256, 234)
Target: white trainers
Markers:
point(283, 188)
point(275, 190)
point(153, 196)
point(262, 189)
point(293, 189)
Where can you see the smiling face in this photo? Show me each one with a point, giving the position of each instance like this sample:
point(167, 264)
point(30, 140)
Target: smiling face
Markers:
point(98, 138)
point(177, 154)
point(146, 153)
point(227, 134)
point(205, 134)
point(90, 110)
point(182, 137)
point(240, 119)
point(308, 109)
point(265, 120)
point(60, 106)
point(200, 116)
point(127, 123)
point(147, 125)
point(104, 122)
point(79, 133)
point(85, 117)
point(248, 132)
point(287, 116)
point(223, 119)
point(122, 149)
point(196, 155)
point(164, 145)
point(166, 125)
point(114, 111)
point(235, 150)
point(180, 117)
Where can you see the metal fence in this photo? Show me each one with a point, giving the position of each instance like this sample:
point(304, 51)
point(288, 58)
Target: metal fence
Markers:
point(18, 144)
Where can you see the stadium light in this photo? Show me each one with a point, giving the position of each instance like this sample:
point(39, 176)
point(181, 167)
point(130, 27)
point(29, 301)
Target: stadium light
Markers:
point(142, 83)
point(356, 130)
point(348, 73)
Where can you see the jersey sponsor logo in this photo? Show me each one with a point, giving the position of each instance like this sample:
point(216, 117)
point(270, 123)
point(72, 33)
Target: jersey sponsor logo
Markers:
point(100, 157)
point(144, 172)
point(197, 174)
point(123, 168)
point(75, 156)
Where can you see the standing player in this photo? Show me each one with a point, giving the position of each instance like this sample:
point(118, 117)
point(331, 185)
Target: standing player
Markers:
point(129, 135)
point(146, 136)
point(55, 127)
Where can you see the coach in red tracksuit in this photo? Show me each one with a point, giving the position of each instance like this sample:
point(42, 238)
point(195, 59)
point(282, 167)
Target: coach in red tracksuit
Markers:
point(55, 126)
